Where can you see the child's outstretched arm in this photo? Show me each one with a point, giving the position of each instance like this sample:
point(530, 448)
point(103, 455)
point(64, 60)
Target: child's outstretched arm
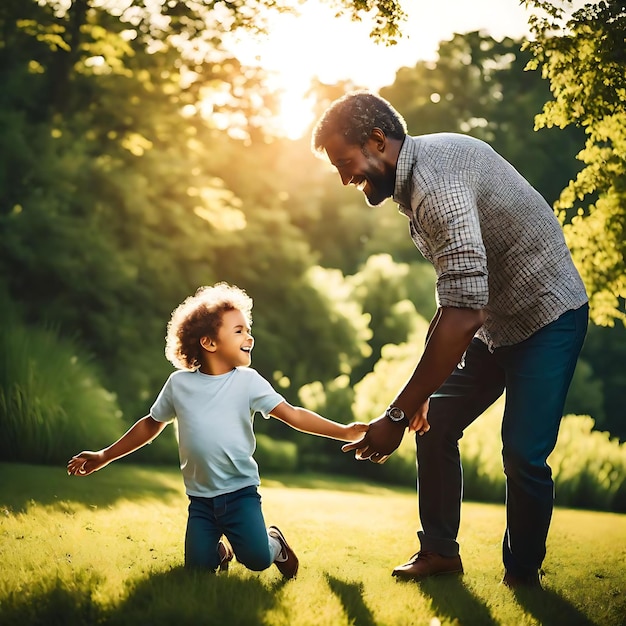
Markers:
point(140, 433)
point(310, 422)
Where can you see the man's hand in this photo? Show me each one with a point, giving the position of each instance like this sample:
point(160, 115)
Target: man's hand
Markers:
point(419, 422)
point(382, 438)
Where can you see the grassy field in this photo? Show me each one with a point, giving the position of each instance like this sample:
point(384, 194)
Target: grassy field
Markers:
point(107, 549)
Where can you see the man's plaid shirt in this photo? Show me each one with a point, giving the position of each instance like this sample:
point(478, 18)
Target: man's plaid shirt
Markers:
point(492, 238)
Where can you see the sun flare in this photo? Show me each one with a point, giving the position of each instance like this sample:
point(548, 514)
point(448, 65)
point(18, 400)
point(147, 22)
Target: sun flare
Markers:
point(299, 49)
point(296, 112)
point(317, 43)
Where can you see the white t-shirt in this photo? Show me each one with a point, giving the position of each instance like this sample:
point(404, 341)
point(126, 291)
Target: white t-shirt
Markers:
point(215, 426)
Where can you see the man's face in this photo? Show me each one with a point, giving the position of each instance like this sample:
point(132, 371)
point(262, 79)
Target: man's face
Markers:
point(365, 167)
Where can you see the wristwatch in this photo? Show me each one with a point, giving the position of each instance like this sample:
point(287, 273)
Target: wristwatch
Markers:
point(395, 414)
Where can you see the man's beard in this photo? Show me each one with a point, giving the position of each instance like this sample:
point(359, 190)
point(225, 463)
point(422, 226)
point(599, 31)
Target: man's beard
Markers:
point(380, 190)
point(381, 185)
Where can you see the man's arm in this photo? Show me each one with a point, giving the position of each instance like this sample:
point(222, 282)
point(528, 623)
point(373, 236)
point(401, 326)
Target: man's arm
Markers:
point(448, 340)
point(449, 335)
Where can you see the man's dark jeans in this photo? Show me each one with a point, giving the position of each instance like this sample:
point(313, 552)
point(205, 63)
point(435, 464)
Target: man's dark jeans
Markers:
point(536, 375)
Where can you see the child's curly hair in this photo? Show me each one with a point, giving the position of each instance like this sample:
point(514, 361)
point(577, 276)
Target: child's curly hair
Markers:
point(200, 316)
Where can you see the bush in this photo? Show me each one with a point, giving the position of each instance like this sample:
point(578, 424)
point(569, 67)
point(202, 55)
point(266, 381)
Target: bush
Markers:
point(274, 455)
point(51, 402)
point(589, 468)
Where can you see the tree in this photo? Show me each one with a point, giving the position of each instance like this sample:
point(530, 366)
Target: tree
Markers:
point(116, 188)
point(584, 58)
point(478, 86)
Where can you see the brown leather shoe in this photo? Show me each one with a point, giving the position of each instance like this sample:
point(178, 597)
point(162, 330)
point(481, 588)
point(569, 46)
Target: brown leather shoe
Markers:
point(522, 582)
point(424, 564)
point(226, 554)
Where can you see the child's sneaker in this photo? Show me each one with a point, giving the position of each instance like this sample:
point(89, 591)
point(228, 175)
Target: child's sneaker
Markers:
point(226, 554)
point(287, 561)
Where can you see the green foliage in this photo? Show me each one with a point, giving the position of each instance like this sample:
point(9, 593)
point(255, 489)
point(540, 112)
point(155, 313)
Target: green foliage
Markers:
point(478, 86)
point(275, 456)
point(51, 400)
point(586, 394)
point(395, 296)
point(605, 350)
point(135, 165)
point(388, 17)
point(589, 468)
point(333, 400)
point(583, 56)
point(396, 364)
point(136, 199)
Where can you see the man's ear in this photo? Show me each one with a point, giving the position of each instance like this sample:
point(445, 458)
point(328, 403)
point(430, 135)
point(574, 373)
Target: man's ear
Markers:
point(208, 344)
point(378, 137)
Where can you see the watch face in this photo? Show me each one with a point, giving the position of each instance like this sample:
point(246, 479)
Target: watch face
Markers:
point(395, 414)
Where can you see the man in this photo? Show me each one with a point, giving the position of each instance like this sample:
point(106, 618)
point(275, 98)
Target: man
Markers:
point(512, 314)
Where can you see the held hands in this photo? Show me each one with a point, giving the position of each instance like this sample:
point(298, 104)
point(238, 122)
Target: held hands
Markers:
point(86, 463)
point(383, 436)
point(355, 431)
point(380, 440)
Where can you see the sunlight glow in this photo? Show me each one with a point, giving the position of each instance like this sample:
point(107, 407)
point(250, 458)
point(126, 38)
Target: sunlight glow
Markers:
point(296, 112)
point(317, 44)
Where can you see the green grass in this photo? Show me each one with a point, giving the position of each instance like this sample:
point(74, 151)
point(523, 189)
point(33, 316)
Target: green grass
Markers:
point(107, 549)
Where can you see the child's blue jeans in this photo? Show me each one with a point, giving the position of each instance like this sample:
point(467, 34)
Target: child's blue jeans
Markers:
point(536, 374)
point(236, 515)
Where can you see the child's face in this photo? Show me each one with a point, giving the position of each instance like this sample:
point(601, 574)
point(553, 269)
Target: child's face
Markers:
point(234, 342)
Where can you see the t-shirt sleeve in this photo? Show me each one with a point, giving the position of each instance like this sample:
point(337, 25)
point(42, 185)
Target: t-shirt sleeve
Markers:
point(263, 397)
point(163, 408)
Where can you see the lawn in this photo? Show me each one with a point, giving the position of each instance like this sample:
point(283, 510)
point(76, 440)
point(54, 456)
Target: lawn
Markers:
point(107, 549)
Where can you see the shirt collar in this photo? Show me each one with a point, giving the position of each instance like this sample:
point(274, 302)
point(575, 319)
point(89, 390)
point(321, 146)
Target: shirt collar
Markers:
point(404, 167)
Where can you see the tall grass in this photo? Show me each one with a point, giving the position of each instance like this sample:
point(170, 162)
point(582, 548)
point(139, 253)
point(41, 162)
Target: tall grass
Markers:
point(107, 550)
point(51, 402)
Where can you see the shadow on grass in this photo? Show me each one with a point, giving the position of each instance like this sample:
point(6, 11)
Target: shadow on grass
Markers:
point(182, 597)
point(52, 602)
point(351, 597)
point(50, 485)
point(23, 483)
point(179, 597)
point(550, 609)
point(452, 600)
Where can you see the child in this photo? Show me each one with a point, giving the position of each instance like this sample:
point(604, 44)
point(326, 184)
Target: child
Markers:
point(214, 397)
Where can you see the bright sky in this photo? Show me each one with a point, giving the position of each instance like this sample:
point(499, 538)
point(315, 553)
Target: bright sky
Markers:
point(319, 44)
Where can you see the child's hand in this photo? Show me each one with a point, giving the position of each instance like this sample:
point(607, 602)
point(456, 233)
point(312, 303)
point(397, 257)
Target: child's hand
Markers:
point(86, 463)
point(356, 430)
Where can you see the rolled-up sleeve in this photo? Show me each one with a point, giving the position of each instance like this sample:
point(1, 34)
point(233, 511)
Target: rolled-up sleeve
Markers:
point(448, 217)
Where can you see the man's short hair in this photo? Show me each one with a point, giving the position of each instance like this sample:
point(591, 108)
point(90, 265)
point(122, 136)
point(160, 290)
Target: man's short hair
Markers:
point(354, 116)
